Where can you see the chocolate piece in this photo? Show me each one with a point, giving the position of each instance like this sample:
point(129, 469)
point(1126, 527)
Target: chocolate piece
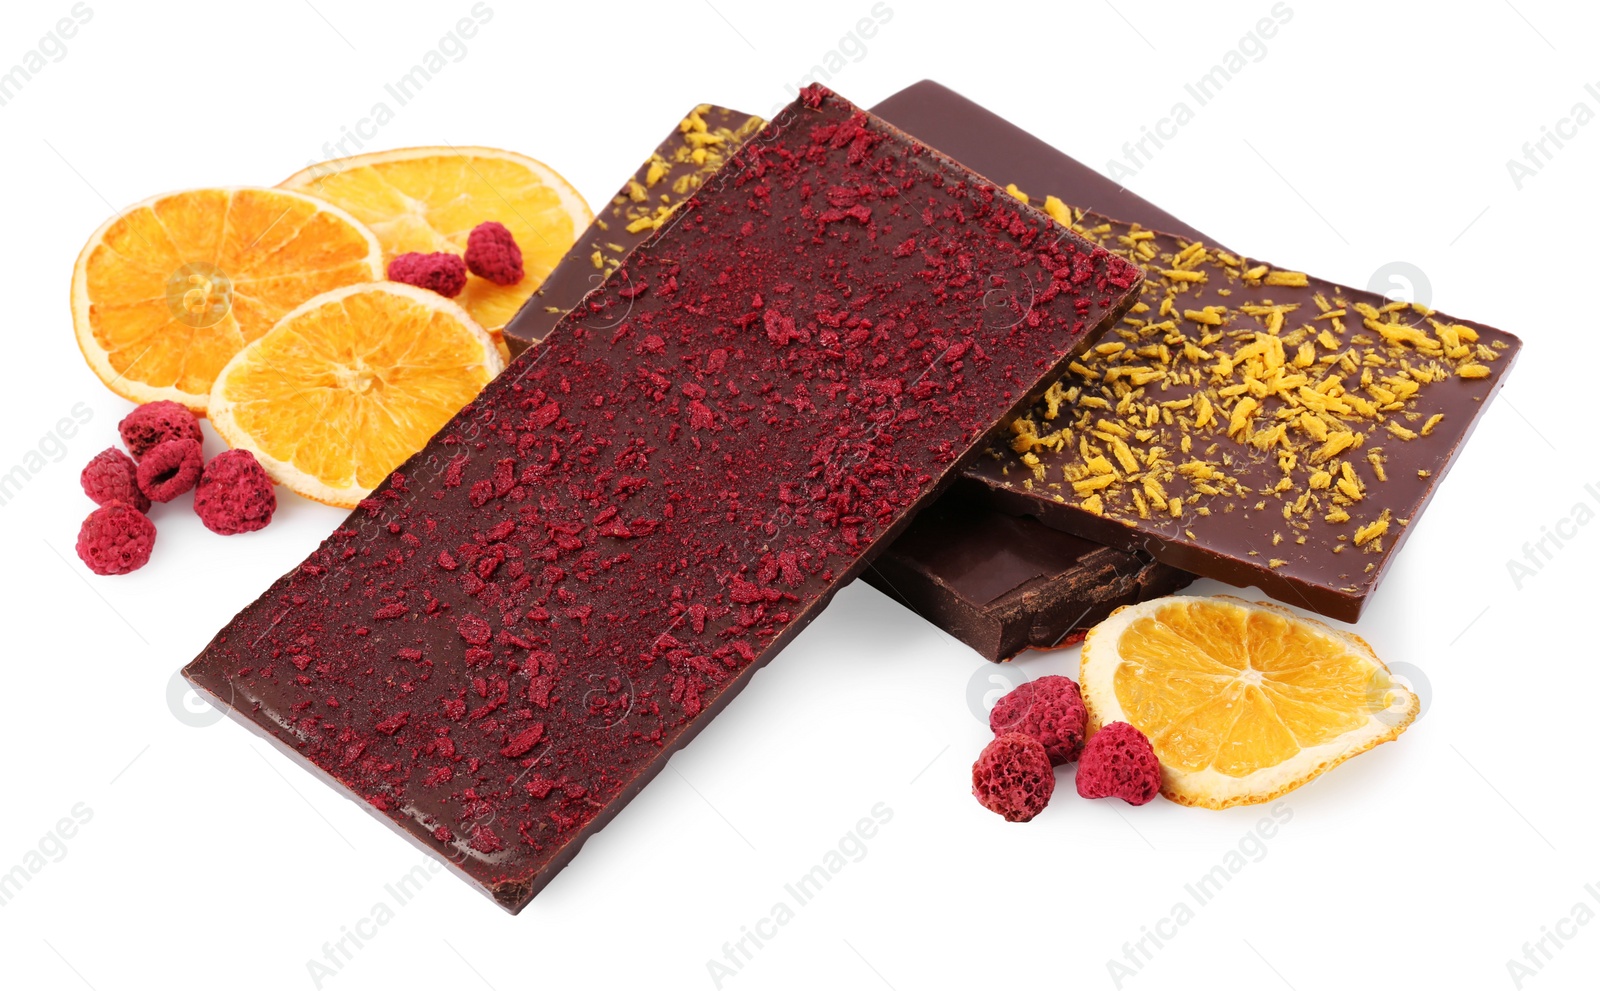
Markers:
point(1252, 424)
point(1242, 545)
point(695, 149)
point(1003, 584)
point(517, 628)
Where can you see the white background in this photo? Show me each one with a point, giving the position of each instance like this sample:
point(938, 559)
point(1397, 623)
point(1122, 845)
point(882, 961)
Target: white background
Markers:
point(1376, 132)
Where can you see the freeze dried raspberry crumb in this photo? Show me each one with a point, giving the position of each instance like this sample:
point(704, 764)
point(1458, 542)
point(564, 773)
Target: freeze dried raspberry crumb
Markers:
point(492, 254)
point(523, 741)
point(235, 495)
point(170, 469)
point(112, 476)
point(484, 840)
point(442, 272)
point(155, 422)
point(475, 630)
point(1050, 710)
point(1118, 762)
point(1013, 777)
point(116, 539)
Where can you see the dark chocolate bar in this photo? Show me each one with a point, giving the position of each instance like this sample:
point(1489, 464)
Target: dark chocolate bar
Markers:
point(1307, 498)
point(520, 626)
point(695, 149)
point(1003, 584)
point(1251, 424)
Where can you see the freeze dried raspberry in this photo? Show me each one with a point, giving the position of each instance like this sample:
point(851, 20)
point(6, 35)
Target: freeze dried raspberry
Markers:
point(111, 476)
point(1050, 710)
point(235, 494)
point(116, 539)
point(492, 254)
point(170, 469)
point(1118, 762)
point(442, 272)
point(1013, 777)
point(523, 742)
point(153, 423)
point(474, 630)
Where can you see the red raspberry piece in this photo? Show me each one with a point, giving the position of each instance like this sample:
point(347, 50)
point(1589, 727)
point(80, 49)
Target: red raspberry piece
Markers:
point(492, 254)
point(170, 469)
point(235, 494)
point(475, 630)
point(523, 742)
point(1050, 710)
point(442, 272)
point(112, 476)
point(1118, 762)
point(116, 539)
point(155, 422)
point(1013, 777)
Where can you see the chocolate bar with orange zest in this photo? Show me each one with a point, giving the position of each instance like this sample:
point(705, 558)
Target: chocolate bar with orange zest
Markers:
point(695, 149)
point(1250, 423)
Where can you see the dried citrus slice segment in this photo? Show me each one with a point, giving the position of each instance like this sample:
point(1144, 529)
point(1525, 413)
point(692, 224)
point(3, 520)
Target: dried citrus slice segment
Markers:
point(1242, 701)
point(349, 384)
point(429, 199)
point(168, 290)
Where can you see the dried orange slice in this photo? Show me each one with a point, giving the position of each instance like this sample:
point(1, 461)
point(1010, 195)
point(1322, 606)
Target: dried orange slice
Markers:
point(349, 384)
point(168, 290)
point(430, 199)
point(1242, 701)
